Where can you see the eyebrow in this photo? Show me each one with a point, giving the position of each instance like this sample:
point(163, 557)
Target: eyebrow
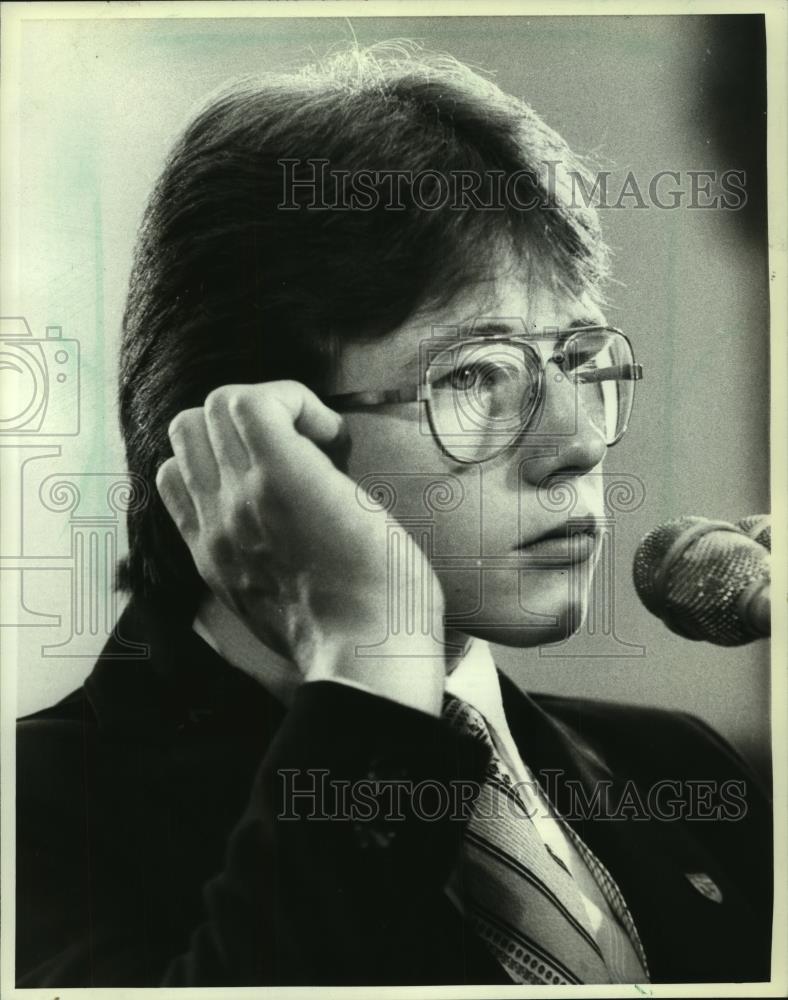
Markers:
point(491, 327)
point(498, 327)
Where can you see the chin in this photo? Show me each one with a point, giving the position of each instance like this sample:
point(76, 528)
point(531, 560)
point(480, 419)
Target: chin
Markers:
point(546, 614)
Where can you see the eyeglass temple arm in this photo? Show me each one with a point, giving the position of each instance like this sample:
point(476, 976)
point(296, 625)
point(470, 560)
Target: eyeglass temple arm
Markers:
point(379, 397)
point(625, 373)
point(421, 393)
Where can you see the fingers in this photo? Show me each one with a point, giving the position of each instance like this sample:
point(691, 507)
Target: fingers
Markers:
point(176, 498)
point(310, 416)
point(243, 431)
point(189, 481)
point(273, 417)
point(229, 450)
point(192, 448)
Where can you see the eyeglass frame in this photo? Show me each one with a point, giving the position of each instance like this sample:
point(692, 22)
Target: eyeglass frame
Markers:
point(422, 392)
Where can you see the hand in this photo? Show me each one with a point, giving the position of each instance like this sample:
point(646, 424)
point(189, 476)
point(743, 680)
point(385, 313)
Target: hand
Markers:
point(277, 533)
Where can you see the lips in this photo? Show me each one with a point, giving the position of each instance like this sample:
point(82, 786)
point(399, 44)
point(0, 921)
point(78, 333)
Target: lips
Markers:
point(569, 542)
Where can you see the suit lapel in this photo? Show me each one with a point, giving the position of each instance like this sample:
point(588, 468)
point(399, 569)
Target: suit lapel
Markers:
point(179, 679)
point(670, 880)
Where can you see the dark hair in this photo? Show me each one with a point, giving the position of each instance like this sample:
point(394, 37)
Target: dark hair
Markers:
point(227, 287)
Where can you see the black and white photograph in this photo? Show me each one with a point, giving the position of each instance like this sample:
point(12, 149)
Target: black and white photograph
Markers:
point(393, 447)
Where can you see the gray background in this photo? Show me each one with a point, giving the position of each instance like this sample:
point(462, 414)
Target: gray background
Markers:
point(101, 103)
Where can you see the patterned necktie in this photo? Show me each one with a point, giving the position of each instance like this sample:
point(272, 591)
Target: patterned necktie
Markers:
point(521, 899)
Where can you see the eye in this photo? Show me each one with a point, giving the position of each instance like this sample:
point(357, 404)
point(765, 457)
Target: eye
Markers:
point(586, 352)
point(579, 358)
point(476, 376)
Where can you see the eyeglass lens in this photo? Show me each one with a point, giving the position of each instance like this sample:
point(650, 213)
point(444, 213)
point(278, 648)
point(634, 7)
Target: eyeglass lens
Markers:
point(486, 394)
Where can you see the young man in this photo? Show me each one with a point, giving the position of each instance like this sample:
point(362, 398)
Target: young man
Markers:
point(364, 334)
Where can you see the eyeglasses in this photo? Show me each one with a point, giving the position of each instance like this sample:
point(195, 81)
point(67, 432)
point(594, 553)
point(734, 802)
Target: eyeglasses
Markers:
point(482, 393)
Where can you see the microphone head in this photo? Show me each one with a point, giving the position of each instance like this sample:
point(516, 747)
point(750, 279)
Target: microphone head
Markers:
point(759, 528)
point(691, 572)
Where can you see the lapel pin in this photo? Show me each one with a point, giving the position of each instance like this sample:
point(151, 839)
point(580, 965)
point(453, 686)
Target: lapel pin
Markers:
point(705, 886)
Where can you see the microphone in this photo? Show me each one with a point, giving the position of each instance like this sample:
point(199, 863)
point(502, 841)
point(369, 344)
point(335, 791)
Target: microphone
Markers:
point(759, 528)
point(706, 580)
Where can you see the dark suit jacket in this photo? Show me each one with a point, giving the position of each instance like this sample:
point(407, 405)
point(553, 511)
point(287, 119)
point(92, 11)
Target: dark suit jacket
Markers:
point(149, 851)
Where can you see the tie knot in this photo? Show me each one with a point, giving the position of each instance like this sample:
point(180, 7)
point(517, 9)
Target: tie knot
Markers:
point(466, 719)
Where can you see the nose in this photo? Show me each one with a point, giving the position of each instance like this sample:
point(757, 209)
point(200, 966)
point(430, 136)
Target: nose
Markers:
point(563, 438)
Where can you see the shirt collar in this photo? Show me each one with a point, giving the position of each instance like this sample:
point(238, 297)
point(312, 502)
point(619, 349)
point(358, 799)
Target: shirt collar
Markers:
point(474, 679)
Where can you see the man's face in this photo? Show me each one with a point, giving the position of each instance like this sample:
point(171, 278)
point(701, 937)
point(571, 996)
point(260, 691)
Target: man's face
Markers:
point(481, 523)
